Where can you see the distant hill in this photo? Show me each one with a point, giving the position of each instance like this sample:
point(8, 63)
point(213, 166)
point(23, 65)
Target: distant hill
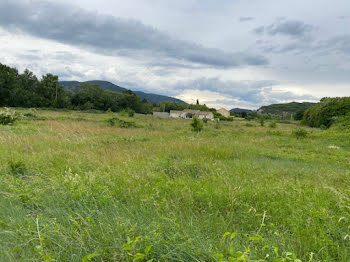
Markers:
point(290, 108)
point(152, 98)
point(240, 110)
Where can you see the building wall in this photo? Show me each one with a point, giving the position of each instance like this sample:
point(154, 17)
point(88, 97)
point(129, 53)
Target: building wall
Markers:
point(176, 115)
point(161, 114)
point(224, 112)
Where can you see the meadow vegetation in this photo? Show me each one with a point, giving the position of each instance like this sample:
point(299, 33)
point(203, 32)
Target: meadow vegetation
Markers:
point(82, 186)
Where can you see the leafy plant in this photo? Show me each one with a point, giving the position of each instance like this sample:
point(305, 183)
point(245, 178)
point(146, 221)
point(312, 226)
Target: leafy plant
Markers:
point(196, 124)
point(115, 121)
point(300, 133)
point(8, 117)
point(262, 121)
point(273, 124)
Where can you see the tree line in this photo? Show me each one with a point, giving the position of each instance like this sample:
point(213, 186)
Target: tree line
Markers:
point(26, 90)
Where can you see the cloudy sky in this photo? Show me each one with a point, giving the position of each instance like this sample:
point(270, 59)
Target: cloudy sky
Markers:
point(226, 53)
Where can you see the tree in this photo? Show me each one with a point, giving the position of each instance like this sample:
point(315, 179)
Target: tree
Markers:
point(197, 102)
point(49, 89)
point(299, 115)
point(196, 124)
point(8, 83)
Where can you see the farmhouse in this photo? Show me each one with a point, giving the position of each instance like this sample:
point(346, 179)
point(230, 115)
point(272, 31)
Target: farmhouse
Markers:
point(224, 112)
point(189, 113)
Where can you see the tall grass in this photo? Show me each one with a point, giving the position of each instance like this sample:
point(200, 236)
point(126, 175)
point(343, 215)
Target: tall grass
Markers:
point(75, 188)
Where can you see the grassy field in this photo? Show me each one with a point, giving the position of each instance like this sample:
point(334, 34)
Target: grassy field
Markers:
point(73, 187)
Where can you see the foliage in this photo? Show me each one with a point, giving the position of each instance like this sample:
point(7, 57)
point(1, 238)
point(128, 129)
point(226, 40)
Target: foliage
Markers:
point(149, 98)
point(8, 117)
point(287, 109)
point(325, 112)
point(273, 124)
point(115, 121)
point(205, 120)
point(299, 115)
point(300, 133)
point(166, 106)
point(262, 121)
point(196, 124)
point(26, 90)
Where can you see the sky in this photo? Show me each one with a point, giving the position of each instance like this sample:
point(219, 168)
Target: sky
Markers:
point(226, 53)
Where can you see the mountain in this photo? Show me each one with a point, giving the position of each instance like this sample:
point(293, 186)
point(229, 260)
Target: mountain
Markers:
point(152, 98)
point(290, 108)
point(240, 110)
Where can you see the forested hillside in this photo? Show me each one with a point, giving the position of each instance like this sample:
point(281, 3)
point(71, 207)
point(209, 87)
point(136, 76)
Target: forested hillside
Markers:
point(289, 108)
point(26, 90)
point(151, 98)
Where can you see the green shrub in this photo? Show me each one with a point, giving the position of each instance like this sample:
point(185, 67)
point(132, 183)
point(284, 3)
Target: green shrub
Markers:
point(273, 124)
point(326, 112)
point(262, 121)
point(115, 121)
point(323, 127)
point(299, 115)
point(131, 112)
point(8, 117)
point(205, 120)
point(249, 125)
point(127, 112)
point(300, 133)
point(217, 123)
point(196, 124)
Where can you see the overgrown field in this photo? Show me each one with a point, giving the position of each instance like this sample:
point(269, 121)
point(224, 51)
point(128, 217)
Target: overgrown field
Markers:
point(75, 186)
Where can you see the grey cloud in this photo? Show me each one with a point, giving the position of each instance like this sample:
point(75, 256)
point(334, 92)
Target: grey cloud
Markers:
point(245, 19)
point(338, 44)
point(292, 28)
point(259, 30)
point(253, 92)
point(109, 35)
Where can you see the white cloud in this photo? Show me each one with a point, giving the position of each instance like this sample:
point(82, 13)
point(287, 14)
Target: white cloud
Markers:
point(300, 68)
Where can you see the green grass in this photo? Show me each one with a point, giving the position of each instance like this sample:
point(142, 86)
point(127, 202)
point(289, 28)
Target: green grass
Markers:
point(75, 188)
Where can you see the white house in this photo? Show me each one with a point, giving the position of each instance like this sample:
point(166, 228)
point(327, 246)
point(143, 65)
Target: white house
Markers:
point(190, 113)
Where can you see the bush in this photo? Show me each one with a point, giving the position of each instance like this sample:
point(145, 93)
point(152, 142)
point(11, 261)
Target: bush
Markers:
point(273, 124)
point(205, 120)
point(196, 124)
point(8, 117)
point(114, 121)
point(131, 112)
point(325, 112)
point(300, 133)
point(217, 123)
point(262, 121)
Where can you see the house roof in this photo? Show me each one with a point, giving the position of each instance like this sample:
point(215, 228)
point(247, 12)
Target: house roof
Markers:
point(191, 111)
point(205, 113)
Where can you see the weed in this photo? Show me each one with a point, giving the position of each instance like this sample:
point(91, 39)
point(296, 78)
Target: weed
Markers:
point(300, 133)
point(273, 124)
point(262, 121)
point(8, 117)
point(115, 121)
point(18, 168)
